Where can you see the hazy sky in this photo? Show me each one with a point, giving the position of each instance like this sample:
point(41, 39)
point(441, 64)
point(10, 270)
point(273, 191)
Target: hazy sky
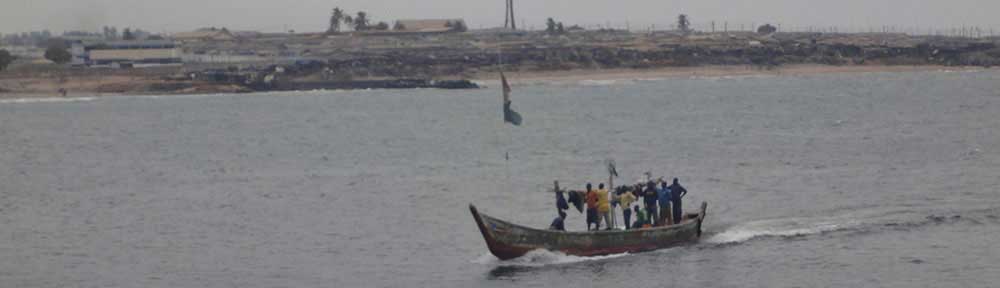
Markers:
point(310, 15)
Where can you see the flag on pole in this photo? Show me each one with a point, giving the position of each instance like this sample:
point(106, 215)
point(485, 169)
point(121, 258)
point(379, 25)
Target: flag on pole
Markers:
point(509, 115)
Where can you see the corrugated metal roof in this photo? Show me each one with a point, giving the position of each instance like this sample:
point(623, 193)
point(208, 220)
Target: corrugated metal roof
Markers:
point(145, 44)
point(134, 55)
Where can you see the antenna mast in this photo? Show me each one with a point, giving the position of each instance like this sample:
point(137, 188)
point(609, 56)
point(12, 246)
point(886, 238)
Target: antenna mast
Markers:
point(509, 16)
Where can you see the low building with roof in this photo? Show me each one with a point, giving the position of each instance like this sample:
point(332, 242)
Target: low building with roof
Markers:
point(134, 53)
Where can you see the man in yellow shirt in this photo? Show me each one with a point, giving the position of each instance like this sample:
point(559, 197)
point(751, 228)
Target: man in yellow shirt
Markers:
point(603, 206)
point(626, 198)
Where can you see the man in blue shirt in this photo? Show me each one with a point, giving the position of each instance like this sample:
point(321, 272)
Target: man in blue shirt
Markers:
point(663, 197)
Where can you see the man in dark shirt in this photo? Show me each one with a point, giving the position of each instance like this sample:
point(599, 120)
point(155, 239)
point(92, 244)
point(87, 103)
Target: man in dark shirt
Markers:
point(558, 223)
point(649, 198)
point(676, 192)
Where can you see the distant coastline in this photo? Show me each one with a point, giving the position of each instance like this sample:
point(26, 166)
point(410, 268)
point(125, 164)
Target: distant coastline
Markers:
point(516, 77)
point(709, 71)
point(448, 60)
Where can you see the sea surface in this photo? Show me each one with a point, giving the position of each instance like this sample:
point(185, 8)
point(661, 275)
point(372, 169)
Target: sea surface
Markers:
point(836, 180)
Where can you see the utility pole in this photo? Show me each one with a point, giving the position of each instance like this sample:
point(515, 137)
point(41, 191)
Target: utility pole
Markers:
point(509, 16)
point(506, 14)
point(513, 23)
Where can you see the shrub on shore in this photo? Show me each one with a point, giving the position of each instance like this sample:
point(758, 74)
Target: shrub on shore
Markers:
point(5, 59)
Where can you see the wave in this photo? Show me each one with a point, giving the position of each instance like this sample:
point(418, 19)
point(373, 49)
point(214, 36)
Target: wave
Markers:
point(541, 257)
point(46, 100)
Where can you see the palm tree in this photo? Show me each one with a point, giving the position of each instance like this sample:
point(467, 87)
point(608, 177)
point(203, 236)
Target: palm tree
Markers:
point(550, 26)
point(683, 23)
point(335, 19)
point(361, 21)
point(348, 20)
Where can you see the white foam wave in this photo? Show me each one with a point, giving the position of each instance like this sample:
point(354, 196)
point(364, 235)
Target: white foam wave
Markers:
point(46, 100)
point(654, 79)
point(779, 228)
point(608, 82)
point(962, 71)
point(732, 77)
point(541, 257)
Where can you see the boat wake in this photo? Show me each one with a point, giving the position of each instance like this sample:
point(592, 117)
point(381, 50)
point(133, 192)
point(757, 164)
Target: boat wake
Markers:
point(779, 228)
point(541, 257)
point(870, 221)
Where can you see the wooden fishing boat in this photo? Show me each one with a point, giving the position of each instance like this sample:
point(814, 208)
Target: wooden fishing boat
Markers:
point(507, 240)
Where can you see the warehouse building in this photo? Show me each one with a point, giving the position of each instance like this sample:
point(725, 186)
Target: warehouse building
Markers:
point(134, 53)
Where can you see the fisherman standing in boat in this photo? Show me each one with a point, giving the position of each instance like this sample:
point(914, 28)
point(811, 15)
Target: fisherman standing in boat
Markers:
point(603, 206)
point(649, 198)
point(663, 197)
point(625, 199)
point(677, 192)
point(592, 203)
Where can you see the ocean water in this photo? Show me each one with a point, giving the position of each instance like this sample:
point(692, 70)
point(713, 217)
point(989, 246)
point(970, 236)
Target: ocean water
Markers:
point(839, 180)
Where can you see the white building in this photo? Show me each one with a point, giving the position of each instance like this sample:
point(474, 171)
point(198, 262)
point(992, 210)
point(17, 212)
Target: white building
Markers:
point(134, 53)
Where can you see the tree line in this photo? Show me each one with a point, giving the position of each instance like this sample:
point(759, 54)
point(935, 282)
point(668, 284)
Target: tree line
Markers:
point(361, 21)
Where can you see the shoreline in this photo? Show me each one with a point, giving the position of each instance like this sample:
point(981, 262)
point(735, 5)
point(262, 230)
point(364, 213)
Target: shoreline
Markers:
point(577, 75)
point(708, 71)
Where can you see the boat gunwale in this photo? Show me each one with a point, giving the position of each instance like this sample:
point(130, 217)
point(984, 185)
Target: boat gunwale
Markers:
point(684, 225)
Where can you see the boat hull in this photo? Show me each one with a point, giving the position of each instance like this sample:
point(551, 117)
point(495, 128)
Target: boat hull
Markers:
point(507, 240)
